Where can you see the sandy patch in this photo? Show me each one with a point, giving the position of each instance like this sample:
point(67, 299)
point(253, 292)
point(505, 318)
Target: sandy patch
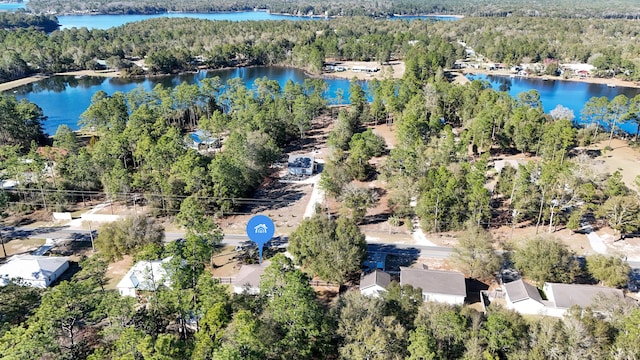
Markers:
point(17, 83)
point(117, 270)
point(394, 69)
point(22, 246)
point(224, 263)
point(622, 157)
point(458, 78)
point(630, 248)
point(386, 131)
point(99, 73)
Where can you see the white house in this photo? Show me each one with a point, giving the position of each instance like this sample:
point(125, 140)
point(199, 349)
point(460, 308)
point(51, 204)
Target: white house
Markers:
point(374, 283)
point(34, 271)
point(439, 286)
point(526, 299)
point(144, 276)
point(579, 68)
point(248, 278)
point(365, 69)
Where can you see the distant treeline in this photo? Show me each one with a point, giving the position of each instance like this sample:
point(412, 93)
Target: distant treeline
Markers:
point(16, 20)
point(175, 45)
point(179, 44)
point(553, 8)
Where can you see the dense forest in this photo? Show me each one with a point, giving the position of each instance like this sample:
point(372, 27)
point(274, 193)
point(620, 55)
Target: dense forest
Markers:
point(553, 8)
point(197, 319)
point(175, 45)
point(172, 45)
point(15, 20)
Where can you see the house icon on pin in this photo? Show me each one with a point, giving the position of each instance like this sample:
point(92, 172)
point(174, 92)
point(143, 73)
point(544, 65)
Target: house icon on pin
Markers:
point(260, 229)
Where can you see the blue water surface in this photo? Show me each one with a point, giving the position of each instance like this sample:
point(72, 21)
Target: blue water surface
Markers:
point(12, 6)
point(570, 94)
point(109, 21)
point(64, 98)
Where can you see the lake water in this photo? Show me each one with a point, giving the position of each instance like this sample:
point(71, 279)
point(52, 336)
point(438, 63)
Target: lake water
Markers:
point(109, 21)
point(12, 6)
point(64, 98)
point(570, 94)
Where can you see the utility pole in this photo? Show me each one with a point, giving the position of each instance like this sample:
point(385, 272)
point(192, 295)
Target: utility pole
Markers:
point(91, 236)
point(4, 251)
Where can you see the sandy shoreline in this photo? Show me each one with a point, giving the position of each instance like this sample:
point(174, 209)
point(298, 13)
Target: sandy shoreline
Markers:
point(589, 80)
point(31, 79)
point(394, 70)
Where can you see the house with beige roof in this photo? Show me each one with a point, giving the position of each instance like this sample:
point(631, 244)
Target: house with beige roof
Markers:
point(248, 278)
point(440, 286)
point(526, 299)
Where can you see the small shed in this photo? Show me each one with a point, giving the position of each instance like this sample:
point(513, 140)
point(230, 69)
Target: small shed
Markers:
point(34, 271)
point(374, 283)
point(376, 260)
point(523, 298)
point(300, 165)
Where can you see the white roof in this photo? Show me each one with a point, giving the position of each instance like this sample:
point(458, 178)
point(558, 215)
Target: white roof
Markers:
point(146, 275)
point(30, 268)
point(579, 67)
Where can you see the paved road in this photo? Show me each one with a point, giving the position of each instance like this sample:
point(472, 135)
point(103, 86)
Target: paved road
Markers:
point(62, 232)
point(433, 252)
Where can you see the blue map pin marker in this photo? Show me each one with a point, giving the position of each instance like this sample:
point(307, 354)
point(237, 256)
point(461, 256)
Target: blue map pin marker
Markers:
point(260, 230)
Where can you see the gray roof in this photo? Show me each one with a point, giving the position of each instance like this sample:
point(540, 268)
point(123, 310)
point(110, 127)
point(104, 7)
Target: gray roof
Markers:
point(434, 281)
point(30, 267)
point(567, 295)
point(376, 277)
point(250, 275)
point(519, 290)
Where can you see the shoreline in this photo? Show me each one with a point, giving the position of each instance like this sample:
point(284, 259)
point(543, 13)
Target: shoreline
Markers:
point(398, 71)
point(456, 76)
point(314, 16)
point(10, 85)
point(589, 80)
